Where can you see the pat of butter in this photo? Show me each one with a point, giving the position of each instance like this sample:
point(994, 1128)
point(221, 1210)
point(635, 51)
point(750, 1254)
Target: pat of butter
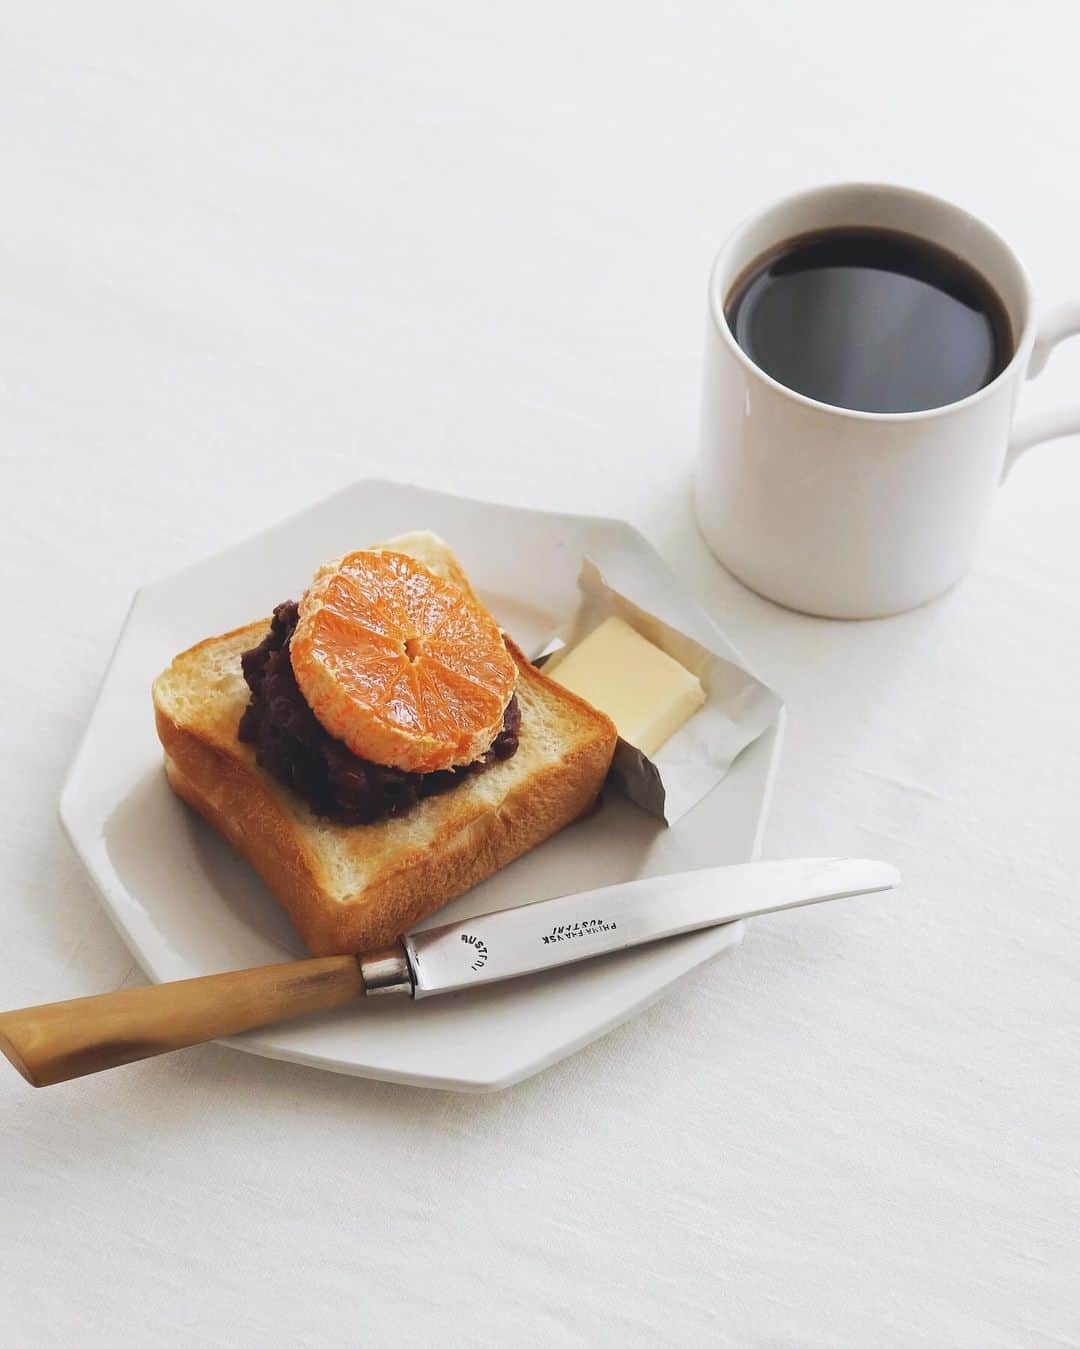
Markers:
point(645, 693)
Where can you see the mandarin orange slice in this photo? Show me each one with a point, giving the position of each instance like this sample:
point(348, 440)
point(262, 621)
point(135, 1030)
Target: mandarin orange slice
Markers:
point(401, 665)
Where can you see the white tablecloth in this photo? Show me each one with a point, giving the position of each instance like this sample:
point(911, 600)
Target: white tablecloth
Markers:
point(249, 253)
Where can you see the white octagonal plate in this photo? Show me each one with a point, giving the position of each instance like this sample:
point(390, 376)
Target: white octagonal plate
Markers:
point(186, 905)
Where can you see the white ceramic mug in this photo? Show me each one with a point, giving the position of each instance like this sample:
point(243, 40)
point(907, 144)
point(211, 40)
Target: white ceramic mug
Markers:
point(861, 514)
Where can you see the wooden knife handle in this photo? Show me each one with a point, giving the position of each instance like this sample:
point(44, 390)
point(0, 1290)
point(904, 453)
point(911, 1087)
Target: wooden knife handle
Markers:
point(62, 1040)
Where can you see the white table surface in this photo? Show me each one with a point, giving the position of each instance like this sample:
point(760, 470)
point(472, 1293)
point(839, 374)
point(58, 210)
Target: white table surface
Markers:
point(249, 253)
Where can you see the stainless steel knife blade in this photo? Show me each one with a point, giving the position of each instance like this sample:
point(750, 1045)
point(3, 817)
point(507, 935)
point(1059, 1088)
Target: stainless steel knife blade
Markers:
point(556, 932)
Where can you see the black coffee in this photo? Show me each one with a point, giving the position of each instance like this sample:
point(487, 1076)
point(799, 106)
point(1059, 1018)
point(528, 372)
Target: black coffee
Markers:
point(870, 319)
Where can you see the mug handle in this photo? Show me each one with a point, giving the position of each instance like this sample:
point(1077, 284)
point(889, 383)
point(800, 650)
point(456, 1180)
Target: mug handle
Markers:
point(1055, 326)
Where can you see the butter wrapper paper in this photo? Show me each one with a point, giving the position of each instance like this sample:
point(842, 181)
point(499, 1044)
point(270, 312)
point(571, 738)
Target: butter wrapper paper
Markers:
point(738, 706)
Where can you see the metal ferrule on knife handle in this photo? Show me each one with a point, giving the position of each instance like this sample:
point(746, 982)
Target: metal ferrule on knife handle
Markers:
point(385, 971)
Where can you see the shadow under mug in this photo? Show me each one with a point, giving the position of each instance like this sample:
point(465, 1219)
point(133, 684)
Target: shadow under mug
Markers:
point(850, 514)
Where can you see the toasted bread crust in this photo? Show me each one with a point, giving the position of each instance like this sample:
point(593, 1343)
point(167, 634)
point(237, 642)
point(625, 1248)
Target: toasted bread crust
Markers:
point(474, 837)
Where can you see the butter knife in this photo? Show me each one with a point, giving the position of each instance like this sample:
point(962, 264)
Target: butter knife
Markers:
point(63, 1040)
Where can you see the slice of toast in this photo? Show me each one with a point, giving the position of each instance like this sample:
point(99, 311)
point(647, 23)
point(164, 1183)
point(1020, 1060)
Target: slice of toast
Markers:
point(355, 887)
